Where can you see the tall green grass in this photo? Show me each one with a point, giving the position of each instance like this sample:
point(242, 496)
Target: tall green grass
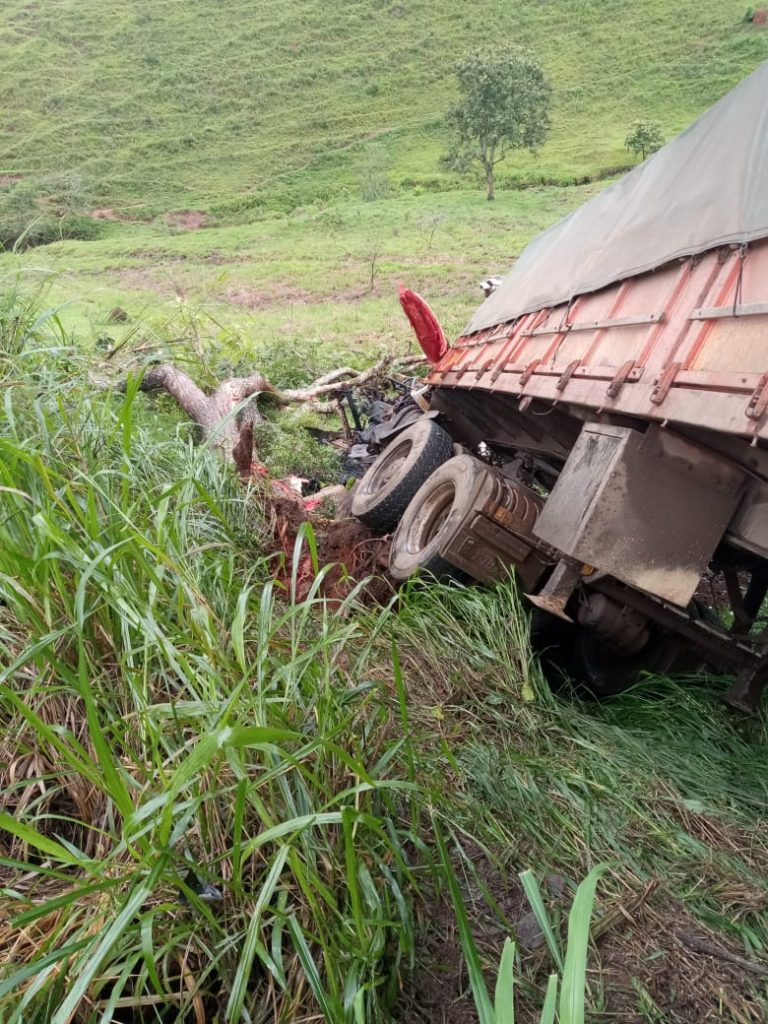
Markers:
point(203, 813)
point(664, 782)
point(217, 800)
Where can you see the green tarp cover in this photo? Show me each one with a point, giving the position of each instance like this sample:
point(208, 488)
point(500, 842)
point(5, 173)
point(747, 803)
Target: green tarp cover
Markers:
point(707, 187)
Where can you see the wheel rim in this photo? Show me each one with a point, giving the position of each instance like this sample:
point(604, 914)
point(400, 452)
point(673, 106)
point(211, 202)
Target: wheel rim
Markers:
point(388, 466)
point(430, 517)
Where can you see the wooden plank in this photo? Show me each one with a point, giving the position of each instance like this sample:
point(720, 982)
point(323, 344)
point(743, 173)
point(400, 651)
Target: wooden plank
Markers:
point(598, 325)
point(718, 312)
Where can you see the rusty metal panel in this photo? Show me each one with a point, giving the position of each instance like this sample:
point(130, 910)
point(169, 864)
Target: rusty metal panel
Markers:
point(642, 348)
point(649, 509)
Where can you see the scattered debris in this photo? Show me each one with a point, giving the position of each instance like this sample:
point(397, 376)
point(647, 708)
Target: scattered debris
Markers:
point(374, 405)
point(489, 285)
point(117, 316)
point(203, 890)
point(226, 412)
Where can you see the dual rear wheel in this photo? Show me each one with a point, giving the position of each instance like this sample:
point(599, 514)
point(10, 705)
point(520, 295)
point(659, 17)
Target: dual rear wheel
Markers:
point(418, 489)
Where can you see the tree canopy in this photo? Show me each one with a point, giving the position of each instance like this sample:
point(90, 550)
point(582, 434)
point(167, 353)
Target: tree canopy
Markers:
point(504, 105)
point(644, 138)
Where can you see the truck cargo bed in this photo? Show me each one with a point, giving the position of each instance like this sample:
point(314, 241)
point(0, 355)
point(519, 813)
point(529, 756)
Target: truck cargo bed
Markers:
point(685, 344)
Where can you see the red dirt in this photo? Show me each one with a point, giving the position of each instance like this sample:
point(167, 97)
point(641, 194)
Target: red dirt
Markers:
point(351, 551)
point(188, 220)
point(110, 213)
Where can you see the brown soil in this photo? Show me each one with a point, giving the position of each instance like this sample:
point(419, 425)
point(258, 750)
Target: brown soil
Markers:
point(661, 955)
point(656, 964)
point(187, 220)
point(110, 213)
point(10, 179)
point(438, 992)
point(107, 213)
point(353, 553)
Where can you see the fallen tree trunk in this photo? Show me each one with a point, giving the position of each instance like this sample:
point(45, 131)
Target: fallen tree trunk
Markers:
point(227, 417)
point(227, 424)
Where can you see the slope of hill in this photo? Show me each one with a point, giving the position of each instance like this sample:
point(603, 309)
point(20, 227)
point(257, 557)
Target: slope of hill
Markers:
point(227, 103)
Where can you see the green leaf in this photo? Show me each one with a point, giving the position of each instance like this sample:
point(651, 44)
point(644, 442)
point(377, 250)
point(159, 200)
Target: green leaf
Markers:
point(46, 845)
point(243, 972)
point(504, 996)
point(550, 1002)
point(329, 1005)
point(86, 972)
point(575, 971)
point(533, 892)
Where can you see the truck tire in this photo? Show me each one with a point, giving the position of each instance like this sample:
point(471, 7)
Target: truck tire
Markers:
point(430, 520)
point(383, 494)
point(576, 655)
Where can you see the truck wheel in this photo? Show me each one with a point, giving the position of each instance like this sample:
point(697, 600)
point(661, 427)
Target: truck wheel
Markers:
point(383, 494)
point(576, 654)
point(430, 520)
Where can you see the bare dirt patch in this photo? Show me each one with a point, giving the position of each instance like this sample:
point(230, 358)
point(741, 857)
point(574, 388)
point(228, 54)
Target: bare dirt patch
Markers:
point(664, 962)
point(653, 963)
point(105, 213)
point(110, 213)
point(10, 179)
point(187, 220)
point(438, 991)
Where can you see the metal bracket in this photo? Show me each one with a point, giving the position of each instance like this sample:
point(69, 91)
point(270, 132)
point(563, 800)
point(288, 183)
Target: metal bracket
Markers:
point(736, 310)
point(621, 378)
point(484, 368)
point(567, 374)
point(664, 383)
point(758, 403)
point(528, 372)
point(598, 325)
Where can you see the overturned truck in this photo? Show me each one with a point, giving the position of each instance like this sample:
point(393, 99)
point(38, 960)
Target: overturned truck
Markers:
point(602, 423)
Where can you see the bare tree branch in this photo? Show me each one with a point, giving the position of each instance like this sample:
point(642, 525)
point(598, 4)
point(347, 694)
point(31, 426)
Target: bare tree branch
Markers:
point(179, 385)
point(220, 414)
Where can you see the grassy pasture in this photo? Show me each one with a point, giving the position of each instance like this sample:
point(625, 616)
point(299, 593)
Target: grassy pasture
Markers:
point(226, 106)
point(323, 277)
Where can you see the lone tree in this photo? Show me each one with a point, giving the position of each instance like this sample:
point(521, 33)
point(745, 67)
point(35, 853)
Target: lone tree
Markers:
point(644, 138)
point(504, 105)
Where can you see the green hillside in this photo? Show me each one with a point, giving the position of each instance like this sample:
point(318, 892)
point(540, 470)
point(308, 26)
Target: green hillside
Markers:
point(224, 103)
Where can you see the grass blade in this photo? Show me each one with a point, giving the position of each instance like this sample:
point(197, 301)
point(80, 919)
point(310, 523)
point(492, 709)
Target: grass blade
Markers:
point(468, 946)
point(243, 973)
point(575, 972)
point(550, 1002)
point(504, 996)
point(536, 900)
